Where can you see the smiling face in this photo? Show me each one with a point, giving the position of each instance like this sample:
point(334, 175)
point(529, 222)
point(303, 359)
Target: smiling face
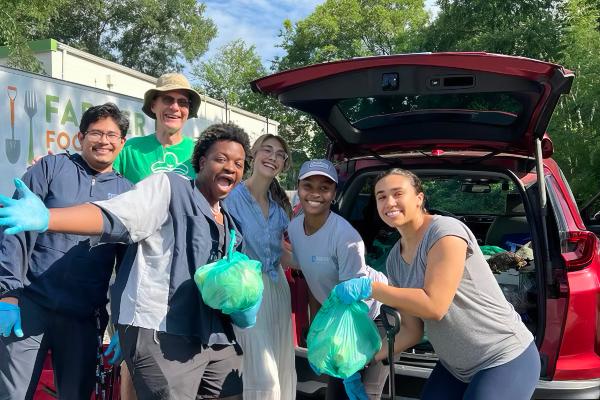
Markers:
point(98, 151)
point(269, 159)
point(397, 200)
point(316, 194)
point(171, 111)
point(220, 169)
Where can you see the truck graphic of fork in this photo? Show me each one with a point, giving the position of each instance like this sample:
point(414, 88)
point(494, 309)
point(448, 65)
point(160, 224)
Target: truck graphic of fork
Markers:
point(30, 110)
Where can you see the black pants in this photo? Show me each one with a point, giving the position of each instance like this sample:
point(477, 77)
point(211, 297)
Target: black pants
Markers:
point(74, 345)
point(165, 366)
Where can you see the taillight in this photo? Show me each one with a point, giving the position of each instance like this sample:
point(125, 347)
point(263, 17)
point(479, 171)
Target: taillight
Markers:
point(579, 249)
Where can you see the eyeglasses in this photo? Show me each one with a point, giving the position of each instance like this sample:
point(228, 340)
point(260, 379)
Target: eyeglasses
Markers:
point(279, 154)
point(95, 136)
point(169, 100)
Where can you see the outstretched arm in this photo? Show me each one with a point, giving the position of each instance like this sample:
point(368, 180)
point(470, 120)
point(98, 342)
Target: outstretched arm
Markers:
point(28, 213)
point(84, 219)
point(445, 266)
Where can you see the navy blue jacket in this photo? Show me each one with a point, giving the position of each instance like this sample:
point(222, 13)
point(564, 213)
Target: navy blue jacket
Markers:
point(172, 232)
point(56, 270)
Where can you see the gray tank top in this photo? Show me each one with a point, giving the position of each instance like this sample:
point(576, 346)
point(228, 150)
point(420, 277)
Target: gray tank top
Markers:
point(481, 329)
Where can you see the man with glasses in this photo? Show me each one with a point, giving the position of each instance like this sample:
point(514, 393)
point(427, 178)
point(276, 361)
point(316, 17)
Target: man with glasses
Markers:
point(53, 286)
point(171, 103)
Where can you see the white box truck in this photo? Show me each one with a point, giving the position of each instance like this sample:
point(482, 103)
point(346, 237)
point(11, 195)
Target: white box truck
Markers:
point(38, 113)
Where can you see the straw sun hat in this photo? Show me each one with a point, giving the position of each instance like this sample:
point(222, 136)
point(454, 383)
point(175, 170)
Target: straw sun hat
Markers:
point(166, 83)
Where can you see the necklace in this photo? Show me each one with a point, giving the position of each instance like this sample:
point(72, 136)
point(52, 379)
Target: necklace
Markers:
point(216, 210)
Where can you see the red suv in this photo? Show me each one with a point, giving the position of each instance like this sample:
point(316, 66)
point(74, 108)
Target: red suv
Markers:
point(473, 127)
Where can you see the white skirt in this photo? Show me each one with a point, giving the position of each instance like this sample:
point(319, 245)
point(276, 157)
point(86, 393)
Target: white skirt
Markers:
point(269, 371)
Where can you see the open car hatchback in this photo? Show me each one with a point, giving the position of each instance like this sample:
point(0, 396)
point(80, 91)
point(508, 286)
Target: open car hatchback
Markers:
point(472, 126)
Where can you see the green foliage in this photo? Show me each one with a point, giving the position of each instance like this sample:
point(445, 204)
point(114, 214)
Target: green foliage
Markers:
point(340, 29)
point(446, 195)
point(530, 28)
point(575, 128)
point(22, 22)
point(563, 31)
point(227, 75)
point(151, 36)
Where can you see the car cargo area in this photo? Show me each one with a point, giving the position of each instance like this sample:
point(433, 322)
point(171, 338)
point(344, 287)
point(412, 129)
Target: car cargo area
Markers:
point(490, 203)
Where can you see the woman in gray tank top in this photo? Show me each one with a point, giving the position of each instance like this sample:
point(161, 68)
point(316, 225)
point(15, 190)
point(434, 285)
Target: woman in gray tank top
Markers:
point(440, 280)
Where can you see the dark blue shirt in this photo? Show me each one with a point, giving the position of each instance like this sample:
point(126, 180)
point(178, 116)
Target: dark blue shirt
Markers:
point(60, 271)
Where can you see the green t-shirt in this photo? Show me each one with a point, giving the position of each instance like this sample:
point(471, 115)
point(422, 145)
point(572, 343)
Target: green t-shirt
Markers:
point(144, 156)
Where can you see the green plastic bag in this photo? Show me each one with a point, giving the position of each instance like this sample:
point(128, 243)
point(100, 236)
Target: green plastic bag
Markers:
point(342, 339)
point(491, 250)
point(231, 284)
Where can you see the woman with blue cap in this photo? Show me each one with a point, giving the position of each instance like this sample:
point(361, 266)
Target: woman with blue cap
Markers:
point(329, 250)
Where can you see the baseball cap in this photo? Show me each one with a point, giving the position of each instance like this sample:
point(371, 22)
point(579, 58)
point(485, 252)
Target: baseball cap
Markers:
point(318, 167)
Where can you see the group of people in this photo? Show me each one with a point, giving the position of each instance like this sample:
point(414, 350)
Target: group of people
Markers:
point(158, 207)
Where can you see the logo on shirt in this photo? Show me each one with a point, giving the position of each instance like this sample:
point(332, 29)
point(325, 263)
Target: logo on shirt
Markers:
point(169, 163)
point(319, 259)
point(111, 195)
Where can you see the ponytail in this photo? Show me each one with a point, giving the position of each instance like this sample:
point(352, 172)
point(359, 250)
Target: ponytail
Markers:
point(280, 197)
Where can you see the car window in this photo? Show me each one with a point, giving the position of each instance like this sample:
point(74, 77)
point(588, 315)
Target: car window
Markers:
point(450, 195)
point(492, 108)
point(458, 196)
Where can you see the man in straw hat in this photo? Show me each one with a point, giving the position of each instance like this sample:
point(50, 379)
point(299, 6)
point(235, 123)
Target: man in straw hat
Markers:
point(171, 103)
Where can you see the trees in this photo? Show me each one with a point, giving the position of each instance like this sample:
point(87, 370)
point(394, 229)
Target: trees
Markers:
point(530, 28)
point(339, 29)
point(24, 21)
point(226, 77)
point(562, 31)
point(227, 74)
point(575, 127)
point(150, 36)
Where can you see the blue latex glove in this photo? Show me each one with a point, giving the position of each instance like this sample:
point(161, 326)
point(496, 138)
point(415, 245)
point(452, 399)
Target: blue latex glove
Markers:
point(115, 348)
point(247, 318)
point(355, 388)
point(10, 319)
point(354, 289)
point(28, 213)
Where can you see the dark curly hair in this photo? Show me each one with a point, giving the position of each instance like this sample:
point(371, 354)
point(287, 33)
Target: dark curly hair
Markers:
point(216, 132)
point(106, 110)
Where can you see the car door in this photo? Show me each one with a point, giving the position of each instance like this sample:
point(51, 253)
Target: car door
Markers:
point(455, 101)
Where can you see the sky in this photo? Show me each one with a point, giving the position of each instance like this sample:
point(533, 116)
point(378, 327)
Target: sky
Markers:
point(257, 22)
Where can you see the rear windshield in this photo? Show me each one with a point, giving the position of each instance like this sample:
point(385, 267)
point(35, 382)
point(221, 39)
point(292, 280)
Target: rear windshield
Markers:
point(462, 198)
point(491, 108)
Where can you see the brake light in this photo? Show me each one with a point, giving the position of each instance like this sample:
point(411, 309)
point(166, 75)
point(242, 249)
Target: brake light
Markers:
point(578, 249)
